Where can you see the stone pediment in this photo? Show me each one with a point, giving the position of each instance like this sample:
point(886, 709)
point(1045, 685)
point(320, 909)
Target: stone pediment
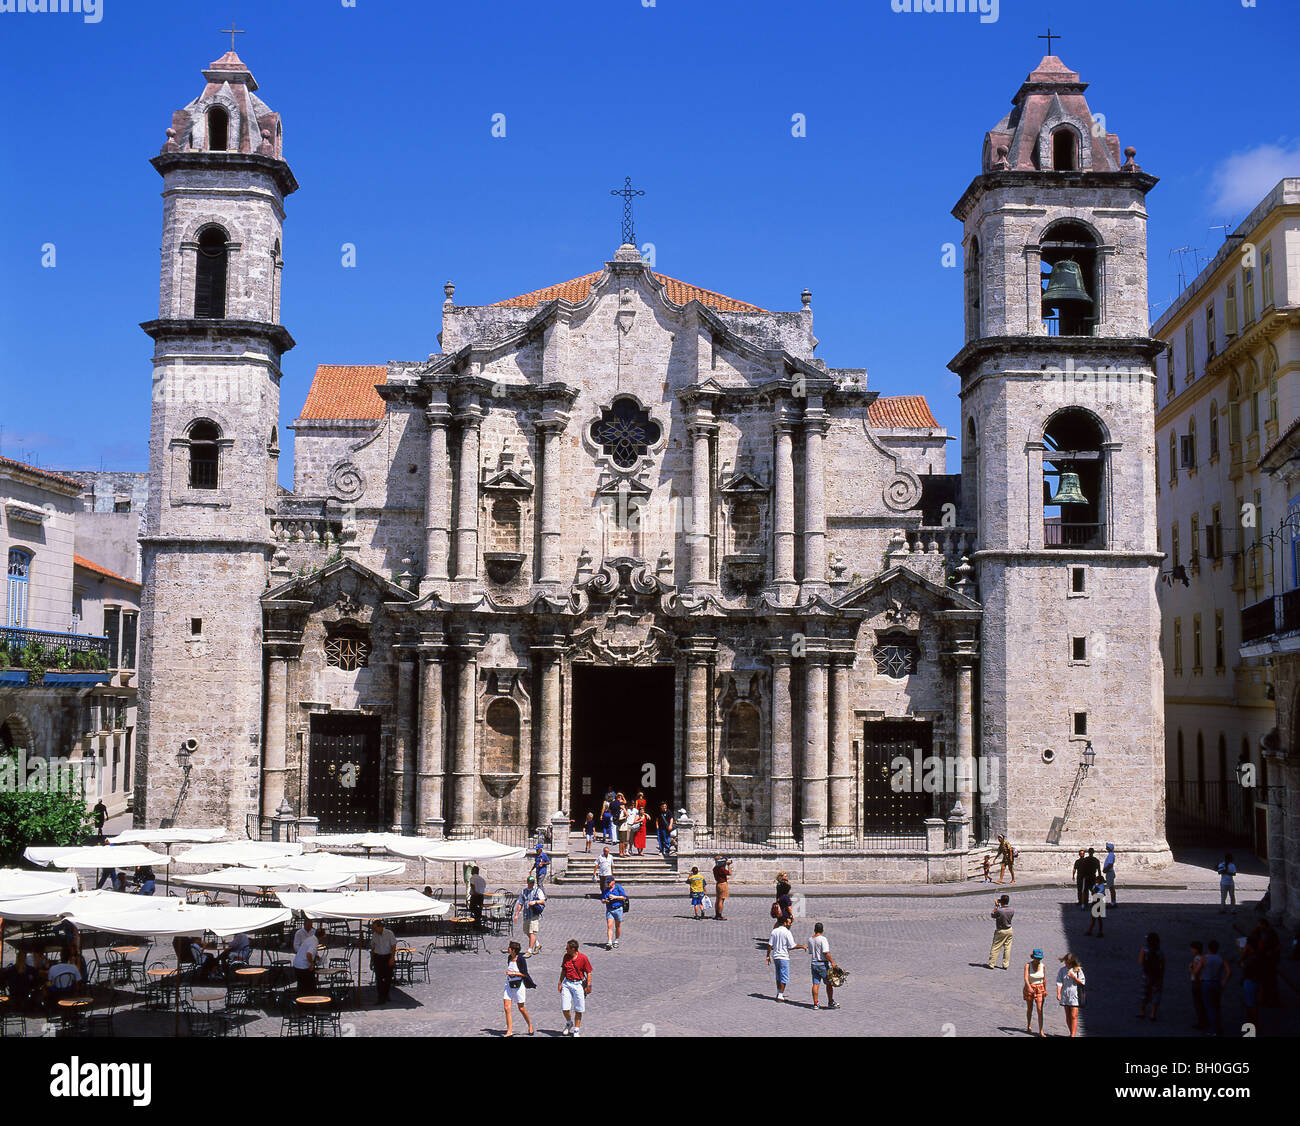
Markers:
point(343, 590)
point(743, 482)
point(900, 593)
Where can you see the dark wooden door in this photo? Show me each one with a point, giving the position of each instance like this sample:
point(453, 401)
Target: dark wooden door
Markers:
point(343, 776)
point(892, 799)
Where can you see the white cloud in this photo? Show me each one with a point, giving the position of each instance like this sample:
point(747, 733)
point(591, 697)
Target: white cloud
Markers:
point(1245, 178)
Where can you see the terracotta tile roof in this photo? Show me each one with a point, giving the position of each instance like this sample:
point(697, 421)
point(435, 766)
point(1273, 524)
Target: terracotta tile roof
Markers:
point(679, 292)
point(59, 477)
point(346, 391)
point(82, 561)
point(909, 412)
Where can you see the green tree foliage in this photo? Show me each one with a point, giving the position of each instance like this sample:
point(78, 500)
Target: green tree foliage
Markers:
point(38, 806)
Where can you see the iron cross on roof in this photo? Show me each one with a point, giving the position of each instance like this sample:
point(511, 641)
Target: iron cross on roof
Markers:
point(628, 192)
point(1049, 37)
point(232, 31)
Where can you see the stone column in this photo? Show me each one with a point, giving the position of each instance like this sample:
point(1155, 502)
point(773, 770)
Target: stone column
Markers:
point(275, 753)
point(437, 499)
point(814, 495)
point(699, 655)
point(550, 427)
point(546, 774)
point(701, 429)
point(842, 771)
point(403, 742)
point(470, 416)
point(783, 509)
point(431, 760)
point(964, 716)
point(465, 766)
point(815, 725)
point(782, 766)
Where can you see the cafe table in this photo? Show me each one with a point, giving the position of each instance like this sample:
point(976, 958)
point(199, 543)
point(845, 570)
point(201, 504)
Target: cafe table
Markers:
point(73, 1010)
point(317, 1009)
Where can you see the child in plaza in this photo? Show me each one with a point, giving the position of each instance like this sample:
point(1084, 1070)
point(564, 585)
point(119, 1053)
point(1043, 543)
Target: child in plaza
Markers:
point(696, 882)
point(589, 829)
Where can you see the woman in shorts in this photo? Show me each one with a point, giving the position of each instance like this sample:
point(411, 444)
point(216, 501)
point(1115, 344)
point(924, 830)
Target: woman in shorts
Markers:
point(516, 991)
point(1035, 991)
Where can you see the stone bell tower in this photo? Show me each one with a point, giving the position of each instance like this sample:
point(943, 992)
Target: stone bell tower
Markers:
point(1058, 412)
point(213, 447)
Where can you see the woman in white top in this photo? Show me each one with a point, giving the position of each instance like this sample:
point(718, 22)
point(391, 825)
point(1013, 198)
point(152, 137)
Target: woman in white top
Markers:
point(516, 991)
point(1069, 984)
point(1035, 990)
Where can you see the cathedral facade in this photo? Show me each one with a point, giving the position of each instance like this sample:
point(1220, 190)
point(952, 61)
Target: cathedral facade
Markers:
point(626, 533)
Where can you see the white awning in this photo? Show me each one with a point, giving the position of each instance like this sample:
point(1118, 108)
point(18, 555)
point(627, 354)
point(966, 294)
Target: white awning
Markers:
point(96, 856)
point(235, 853)
point(265, 879)
point(18, 883)
point(363, 904)
point(168, 836)
point(330, 863)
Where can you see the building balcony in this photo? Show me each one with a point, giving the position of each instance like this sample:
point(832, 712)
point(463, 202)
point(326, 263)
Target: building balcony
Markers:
point(1271, 624)
point(56, 658)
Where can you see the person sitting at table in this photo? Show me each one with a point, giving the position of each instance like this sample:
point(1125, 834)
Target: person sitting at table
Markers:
point(119, 880)
point(21, 980)
point(205, 960)
point(477, 890)
point(427, 891)
point(65, 976)
point(240, 949)
point(144, 877)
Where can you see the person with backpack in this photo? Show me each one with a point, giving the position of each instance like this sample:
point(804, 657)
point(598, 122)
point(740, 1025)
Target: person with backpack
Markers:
point(517, 984)
point(696, 881)
point(1227, 884)
point(541, 862)
point(1070, 982)
point(531, 902)
point(1215, 973)
point(616, 903)
point(1151, 961)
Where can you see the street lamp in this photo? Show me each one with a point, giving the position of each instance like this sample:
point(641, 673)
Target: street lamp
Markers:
point(187, 749)
point(1089, 757)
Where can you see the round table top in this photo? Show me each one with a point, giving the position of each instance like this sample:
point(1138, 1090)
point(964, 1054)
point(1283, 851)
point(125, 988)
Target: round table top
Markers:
point(161, 971)
point(251, 971)
point(312, 999)
point(76, 1003)
point(207, 993)
point(123, 949)
point(330, 971)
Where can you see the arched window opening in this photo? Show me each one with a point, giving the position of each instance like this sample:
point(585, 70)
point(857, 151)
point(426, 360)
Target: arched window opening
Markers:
point(1070, 282)
point(1065, 150)
point(1182, 763)
point(501, 744)
point(742, 738)
point(746, 528)
point(203, 455)
point(973, 275)
point(20, 571)
point(1200, 770)
point(218, 129)
point(210, 274)
point(1072, 481)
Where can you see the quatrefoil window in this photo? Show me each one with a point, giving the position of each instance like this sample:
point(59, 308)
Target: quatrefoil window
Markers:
point(625, 432)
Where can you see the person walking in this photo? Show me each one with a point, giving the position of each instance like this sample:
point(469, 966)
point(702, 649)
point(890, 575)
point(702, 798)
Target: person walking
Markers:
point(617, 811)
point(1080, 880)
point(603, 871)
point(1151, 961)
point(664, 829)
point(1194, 969)
point(1227, 883)
point(576, 977)
point(531, 902)
point(695, 881)
point(541, 862)
point(780, 944)
point(1006, 856)
point(819, 951)
point(1035, 990)
point(1097, 907)
point(517, 979)
point(1089, 872)
point(721, 875)
point(383, 959)
point(1108, 871)
point(1070, 981)
point(589, 830)
point(1214, 976)
point(615, 900)
point(100, 814)
point(1001, 915)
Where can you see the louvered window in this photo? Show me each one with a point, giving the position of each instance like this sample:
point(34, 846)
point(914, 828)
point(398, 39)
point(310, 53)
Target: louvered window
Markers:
point(210, 275)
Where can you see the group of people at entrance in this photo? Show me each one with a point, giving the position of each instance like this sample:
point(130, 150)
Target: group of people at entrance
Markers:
point(625, 823)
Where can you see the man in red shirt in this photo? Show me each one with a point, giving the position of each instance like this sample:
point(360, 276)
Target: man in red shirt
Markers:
point(575, 985)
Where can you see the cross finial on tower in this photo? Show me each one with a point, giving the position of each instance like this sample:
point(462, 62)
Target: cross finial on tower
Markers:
point(232, 31)
point(1049, 37)
point(628, 192)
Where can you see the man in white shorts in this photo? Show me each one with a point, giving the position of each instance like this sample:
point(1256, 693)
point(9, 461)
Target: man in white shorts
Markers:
point(575, 984)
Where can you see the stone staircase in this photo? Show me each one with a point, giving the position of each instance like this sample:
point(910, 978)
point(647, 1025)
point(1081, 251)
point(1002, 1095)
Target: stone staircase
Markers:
point(631, 870)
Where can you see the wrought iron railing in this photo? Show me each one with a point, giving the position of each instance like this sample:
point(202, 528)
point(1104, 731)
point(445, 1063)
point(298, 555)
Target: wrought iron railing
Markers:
point(1073, 535)
point(1210, 812)
point(735, 838)
point(1257, 621)
point(53, 651)
point(512, 833)
point(840, 840)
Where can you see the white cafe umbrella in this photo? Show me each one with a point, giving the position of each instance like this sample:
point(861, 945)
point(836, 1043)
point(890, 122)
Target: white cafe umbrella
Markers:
point(96, 856)
point(168, 836)
point(368, 841)
point(18, 883)
point(476, 850)
point(324, 864)
point(265, 879)
point(62, 904)
point(228, 853)
point(183, 919)
point(363, 905)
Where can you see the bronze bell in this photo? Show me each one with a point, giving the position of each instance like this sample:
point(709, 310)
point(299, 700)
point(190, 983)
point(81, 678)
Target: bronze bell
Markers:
point(1065, 287)
point(1068, 491)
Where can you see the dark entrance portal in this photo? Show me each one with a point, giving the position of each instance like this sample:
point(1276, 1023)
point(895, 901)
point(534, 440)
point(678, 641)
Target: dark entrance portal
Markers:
point(894, 796)
point(622, 739)
point(343, 775)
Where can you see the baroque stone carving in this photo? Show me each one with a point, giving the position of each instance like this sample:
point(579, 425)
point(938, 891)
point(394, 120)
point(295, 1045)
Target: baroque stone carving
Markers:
point(346, 481)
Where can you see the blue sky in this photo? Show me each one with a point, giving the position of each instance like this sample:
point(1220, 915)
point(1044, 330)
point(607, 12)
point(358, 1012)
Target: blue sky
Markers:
point(388, 107)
